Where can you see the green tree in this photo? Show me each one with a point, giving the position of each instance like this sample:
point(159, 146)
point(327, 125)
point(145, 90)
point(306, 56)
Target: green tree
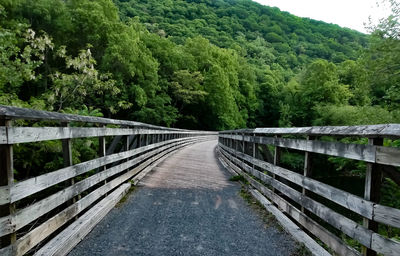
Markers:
point(72, 89)
point(382, 59)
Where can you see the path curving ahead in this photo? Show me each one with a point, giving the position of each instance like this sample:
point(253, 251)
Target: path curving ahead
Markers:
point(186, 206)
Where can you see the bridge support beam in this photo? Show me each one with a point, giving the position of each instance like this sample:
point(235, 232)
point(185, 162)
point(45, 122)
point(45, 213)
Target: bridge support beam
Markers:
point(372, 192)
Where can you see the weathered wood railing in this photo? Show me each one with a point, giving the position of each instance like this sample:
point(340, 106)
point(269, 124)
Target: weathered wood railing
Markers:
point(326, 212)
point(41, 209)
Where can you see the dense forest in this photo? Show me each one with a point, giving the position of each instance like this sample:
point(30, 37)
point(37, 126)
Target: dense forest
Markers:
point(196, 64)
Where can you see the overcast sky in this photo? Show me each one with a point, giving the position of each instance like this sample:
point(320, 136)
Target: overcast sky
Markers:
point(346, 13)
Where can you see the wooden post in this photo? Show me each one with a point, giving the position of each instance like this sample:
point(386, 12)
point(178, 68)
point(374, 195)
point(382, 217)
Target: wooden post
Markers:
point(127, 142)
point(236, 145)
point(67, 156)
point(7, 179)
point(277, 159)
point(243, 150)
point(102, 149)
point(134, 143)
point(372, 191)
point(233, 146)
point(67, 149)
point(307, 168)
point(102, 152)
point(242, 143)
point(254, 148)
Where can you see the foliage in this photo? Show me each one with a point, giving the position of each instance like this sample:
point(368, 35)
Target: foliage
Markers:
point(197, 64)
point(70, 90)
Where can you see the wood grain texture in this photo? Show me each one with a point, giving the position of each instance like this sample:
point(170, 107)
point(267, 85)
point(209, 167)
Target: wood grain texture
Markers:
point(63, 243)
point(335, 219)
point(3, 135)
point(387, 215)
point(35, 134)
point(345, 199)
point(192, 167)
point(380, 130)
point(385, 246)
point(31, 114)
point(34, 211)
point(33, 185)
point(4, 195)
point(364, 236)
point(290, 227)
point(388, 156)
point(346, 150)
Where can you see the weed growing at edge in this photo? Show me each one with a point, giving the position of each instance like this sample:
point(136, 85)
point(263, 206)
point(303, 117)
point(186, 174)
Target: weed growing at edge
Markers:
point(123, 200)
point(301, 250)
point(267, 217)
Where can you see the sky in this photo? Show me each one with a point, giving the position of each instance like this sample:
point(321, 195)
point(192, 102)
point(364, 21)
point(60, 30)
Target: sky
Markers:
point(346, 13)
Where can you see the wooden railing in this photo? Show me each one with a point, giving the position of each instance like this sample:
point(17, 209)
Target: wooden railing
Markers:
point(328, 213)
point(42, 209)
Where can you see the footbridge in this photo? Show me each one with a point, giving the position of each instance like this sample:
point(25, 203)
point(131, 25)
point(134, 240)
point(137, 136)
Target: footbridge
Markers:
point(66, 187)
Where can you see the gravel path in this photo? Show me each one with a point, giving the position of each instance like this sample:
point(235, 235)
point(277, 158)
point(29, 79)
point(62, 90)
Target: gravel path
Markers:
point(186, 206)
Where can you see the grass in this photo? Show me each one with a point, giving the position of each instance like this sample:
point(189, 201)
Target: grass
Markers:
point(301, 250)
point(237, 178)
point(123, 199)
point(267, 217)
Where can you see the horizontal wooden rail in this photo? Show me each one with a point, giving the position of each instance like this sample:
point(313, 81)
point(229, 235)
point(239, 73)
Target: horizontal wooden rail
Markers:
point(345, 199)
point(33, 185)
point(381, 130)
point(31, 114)
point(304, 198)
point(35, 134)
point(34, 208)
point(367, 153)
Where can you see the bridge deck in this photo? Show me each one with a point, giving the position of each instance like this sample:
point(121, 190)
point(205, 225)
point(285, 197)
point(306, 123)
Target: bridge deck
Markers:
point(186, 206)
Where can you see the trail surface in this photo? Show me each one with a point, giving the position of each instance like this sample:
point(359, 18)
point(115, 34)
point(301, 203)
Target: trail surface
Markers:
point(186, 206)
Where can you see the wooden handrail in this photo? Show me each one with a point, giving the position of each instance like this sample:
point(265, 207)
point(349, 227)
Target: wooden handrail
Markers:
point(290, 190)
point(374, 131)
point(9, 112)
point(34, 208)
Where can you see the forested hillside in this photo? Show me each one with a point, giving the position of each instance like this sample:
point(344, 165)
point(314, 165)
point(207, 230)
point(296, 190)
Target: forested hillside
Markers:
point(266, 34)
point(196, 64)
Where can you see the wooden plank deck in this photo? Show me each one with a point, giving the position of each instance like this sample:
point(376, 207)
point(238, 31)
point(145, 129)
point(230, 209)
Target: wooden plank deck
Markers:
point(194, 167)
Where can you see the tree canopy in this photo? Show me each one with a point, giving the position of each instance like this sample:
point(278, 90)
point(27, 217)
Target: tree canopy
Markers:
point(194, 64)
